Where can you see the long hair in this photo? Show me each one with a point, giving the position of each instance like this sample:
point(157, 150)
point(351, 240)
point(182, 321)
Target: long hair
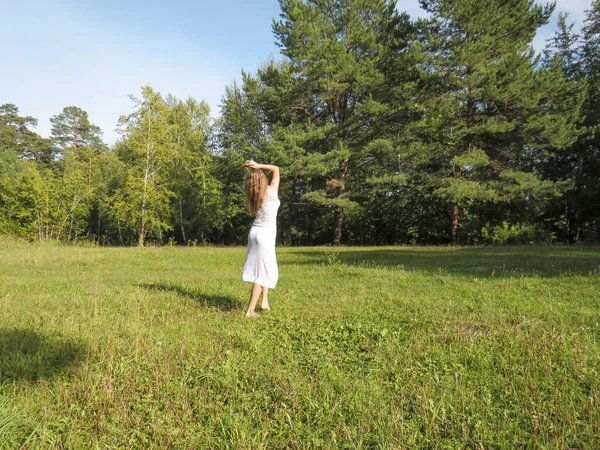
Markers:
point(256, 189)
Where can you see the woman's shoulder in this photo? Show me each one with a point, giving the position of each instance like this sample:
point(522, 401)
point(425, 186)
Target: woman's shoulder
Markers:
point(273, 192)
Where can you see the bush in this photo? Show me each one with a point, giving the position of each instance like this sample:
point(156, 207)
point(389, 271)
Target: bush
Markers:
point(519, 233)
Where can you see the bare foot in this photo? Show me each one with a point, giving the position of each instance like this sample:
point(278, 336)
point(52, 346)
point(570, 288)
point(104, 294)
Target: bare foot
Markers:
point(265, 307)
point(252, 315)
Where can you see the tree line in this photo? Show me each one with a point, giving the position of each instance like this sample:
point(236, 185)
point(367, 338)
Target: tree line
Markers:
point(449, 129)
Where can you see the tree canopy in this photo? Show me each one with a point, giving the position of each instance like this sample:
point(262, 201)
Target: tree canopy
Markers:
point(449, 129)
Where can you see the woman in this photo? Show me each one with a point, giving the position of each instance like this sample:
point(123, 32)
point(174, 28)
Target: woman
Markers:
point(260, 267)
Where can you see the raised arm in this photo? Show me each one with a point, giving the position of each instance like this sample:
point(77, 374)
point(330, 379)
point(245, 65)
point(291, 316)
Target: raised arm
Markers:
point(274, 169)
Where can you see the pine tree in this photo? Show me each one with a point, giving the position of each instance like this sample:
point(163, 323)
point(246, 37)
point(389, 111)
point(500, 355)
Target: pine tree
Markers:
point(562, 49)
point(73, 132)
point(79, 144)
point(334, 74)
point(17, 136)
point(241, 132)
point(562, 59)
point(487, 102)
point(588, 167)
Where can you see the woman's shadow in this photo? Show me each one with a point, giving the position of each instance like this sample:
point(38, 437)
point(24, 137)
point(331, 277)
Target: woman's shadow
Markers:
point(216, 301)
point(27, 355)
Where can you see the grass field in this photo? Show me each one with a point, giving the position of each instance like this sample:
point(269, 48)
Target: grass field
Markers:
point(436, 348)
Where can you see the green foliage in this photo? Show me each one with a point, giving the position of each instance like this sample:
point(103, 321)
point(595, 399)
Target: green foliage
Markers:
point(493, 102)
point(27, 201)
point(143, 202)
point(526, 185)
point(72, 130)
point(16, 136)
point(336, 65)
point(458, 190)
point(587, 152)
point(519, 233)
point(198, 203)
point(386, 131)
point(476, 158)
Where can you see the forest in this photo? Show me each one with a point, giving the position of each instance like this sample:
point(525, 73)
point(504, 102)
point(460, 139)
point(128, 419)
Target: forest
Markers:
point(446, 130)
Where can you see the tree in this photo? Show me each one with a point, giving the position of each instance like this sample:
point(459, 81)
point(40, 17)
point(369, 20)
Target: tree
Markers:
point(26, 183)
point(562, 49)
point(79, 143)
point(72, 129)
point(241, 132)
point(197, 191)
point(334, 73)
point(562, 60)
point(107, 175)
point(143, 202)
point(588, 166)
point(487, 102)
point(16, 136)
point(28, 201)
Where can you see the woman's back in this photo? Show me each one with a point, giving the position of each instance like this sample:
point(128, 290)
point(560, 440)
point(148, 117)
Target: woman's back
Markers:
point(267, 215)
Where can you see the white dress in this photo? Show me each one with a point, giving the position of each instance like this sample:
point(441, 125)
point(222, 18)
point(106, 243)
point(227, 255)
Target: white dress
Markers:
point(261, 265)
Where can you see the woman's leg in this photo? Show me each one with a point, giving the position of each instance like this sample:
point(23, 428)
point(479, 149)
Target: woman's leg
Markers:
point(254, 294)
point(265, 299)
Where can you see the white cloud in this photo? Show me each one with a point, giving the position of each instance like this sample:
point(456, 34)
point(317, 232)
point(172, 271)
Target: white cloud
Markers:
point(412, 7)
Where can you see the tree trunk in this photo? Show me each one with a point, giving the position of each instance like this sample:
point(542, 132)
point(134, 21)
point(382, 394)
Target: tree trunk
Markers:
point(160, 233)
point(339, 210)
point(203, 206)
point(343, 117)
point(567, 221)
point(181, 220)
point(120, 235)
point(98, 230)
point(142, 234)
point(40, 228)
point(469, 144)
point(455, 223)
point(339, 217)
point(457, 174)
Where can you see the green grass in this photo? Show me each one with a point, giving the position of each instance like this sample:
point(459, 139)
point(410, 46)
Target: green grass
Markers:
point(440, 348)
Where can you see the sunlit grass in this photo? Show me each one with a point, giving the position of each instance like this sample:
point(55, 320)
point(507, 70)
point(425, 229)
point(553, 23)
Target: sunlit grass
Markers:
point(364, 348)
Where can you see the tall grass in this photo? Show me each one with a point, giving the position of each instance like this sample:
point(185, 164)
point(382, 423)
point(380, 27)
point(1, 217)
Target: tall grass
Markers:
point(364, 348)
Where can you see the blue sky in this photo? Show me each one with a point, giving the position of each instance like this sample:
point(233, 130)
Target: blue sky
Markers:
point(94, 54)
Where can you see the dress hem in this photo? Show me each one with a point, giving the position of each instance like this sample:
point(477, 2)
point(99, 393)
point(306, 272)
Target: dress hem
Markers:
point(260, 282)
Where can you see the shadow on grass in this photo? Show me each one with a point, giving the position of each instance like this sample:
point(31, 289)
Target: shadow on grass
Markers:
point(530, 261)
point(28, 355)
point(216, 301)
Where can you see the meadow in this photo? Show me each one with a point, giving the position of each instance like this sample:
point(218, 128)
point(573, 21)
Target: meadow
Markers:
point(379, 347)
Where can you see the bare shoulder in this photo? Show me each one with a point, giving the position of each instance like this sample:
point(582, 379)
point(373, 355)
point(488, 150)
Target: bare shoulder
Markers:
point(274, 185)
point(273, 191)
